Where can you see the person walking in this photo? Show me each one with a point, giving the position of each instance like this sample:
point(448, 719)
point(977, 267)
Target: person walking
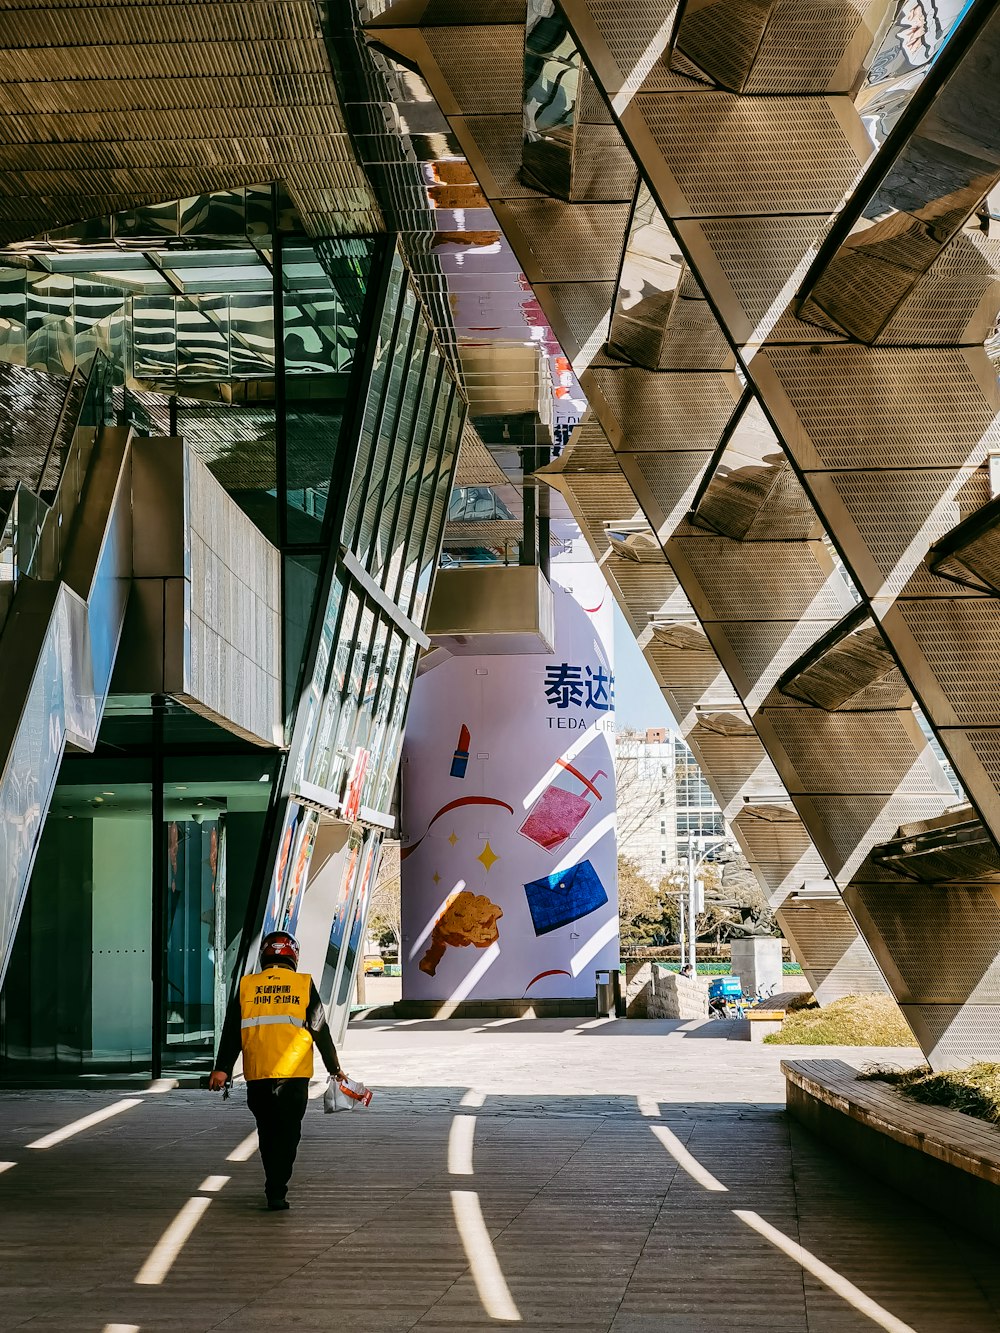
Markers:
point(275, 1019)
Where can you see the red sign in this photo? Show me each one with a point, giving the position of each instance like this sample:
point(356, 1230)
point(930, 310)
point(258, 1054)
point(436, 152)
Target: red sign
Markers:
point(352, 796)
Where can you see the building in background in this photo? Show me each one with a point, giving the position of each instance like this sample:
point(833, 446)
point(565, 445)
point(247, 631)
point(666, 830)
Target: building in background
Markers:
point(664, 802)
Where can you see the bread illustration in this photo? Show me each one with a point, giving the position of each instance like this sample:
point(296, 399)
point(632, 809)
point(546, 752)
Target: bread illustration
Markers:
point(470, 918)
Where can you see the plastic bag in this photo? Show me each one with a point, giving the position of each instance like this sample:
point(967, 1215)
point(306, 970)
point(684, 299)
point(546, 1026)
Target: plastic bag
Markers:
point(345, 1094)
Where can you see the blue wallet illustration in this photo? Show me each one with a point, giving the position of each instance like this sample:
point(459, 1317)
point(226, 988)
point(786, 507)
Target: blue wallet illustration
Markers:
point(566, 896)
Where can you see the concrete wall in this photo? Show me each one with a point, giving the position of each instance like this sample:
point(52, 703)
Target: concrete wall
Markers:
point(757, 963)
point(674, 996)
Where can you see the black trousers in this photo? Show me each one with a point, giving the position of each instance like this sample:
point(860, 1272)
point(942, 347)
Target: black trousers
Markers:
point(278, 1105)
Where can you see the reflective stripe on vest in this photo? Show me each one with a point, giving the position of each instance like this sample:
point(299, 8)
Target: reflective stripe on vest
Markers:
point(261, 1019)
point(274, 1008)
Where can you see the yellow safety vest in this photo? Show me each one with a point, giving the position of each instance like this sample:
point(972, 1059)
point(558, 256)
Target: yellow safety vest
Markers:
point(276, 1041)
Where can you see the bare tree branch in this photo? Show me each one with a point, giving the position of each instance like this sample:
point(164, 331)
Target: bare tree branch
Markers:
point(384, 913)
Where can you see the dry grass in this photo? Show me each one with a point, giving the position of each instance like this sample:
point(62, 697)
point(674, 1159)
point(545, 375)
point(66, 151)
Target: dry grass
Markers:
point(975, 1090)
point(856, 1020)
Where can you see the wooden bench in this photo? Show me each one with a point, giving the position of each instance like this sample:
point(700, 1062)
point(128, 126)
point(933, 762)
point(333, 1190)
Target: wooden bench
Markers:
point(763, 1022)
point(944, 1159)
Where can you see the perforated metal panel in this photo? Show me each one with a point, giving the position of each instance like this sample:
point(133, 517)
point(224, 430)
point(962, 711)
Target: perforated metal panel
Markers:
point(834, 957)
point(762, 580)
point(498, 139)
point(647, 30)
point(864, 407)
point(783, 842)
point(579, 313)
point(476, 465)
point(961, 642)
point(596, 501)
point(692, 677)
point(668, 480)
point(666, 411)
point(857, 672)
point(603, 167)
point(483, 66)
point(852, 825)
point(722, 39)
point(591, 108)
point(851, 752)
point(955, 1037)
point(758, 254)
point(944, 941)
point(569, 242)
point(900, 514)
point(754, 156)
point(650, 590)
point(737, 764)
point(445, 13)
point(766, 649)
point(803, 45)
point(761, 502)
point(939, 311)
point(986, 745)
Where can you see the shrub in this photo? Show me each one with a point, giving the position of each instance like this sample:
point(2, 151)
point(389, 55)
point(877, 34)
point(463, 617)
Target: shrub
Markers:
point(856, 1020)
point(974, 1091)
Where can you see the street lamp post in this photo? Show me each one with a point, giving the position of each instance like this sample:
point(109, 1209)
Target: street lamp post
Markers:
point(679, 891)
point(681, 938)
point(693, 868)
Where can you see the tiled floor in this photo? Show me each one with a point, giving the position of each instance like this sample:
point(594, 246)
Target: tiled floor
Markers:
point(616, 1176)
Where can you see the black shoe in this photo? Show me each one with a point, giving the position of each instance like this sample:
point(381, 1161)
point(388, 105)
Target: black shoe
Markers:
point(277, 1205)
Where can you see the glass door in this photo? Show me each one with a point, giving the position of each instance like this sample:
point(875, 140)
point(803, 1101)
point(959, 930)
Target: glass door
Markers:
point(194, 933)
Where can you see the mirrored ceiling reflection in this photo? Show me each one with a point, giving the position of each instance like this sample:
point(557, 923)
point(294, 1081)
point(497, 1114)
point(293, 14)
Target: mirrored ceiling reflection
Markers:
point(661, 319)
point(938, 191)
point(917, 35)
point(552, 65)
point(463, 265)
point(169, 316)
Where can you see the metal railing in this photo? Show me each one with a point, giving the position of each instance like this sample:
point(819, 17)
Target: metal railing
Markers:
point(35, 533)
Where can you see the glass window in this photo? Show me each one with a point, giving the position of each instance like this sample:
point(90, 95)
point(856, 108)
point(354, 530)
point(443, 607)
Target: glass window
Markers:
point(375, 401)
point(385, 450)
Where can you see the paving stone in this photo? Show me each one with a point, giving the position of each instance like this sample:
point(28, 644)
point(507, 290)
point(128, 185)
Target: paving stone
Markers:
point(594, 1224)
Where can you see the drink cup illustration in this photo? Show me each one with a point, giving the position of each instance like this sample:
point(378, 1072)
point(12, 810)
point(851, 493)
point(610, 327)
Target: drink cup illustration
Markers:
point(558, 812)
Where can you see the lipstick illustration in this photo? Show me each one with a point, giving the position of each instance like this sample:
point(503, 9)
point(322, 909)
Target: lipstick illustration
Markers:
point(461, 760)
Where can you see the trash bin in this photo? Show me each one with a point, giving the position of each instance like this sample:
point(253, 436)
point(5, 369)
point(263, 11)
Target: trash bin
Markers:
point(617, 994)
point(605, 993)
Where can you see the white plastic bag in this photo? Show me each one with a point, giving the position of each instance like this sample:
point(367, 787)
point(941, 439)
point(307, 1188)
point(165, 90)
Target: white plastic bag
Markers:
point(344, 1094)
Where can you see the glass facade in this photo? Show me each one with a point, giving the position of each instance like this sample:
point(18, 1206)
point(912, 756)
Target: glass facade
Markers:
point(349, 725)
point(178, 795)
point(303, 372)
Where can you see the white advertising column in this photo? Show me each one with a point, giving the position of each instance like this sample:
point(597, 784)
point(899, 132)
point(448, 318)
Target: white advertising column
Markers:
point(509, 869)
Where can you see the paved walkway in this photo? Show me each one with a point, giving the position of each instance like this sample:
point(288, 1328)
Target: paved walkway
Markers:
point(633, 1177)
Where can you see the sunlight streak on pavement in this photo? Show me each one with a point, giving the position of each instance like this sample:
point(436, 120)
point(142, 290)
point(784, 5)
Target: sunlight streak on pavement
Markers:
point(78, 1126)
point(245, 1150)
point(828, 1276)
point(486, 1272)
point(168, 1247)
point(460, 1139)
point(685, 1161)
point(212, 1184)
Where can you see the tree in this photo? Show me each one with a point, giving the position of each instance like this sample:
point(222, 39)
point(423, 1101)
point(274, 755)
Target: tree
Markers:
point(735, 906)
point(384, 917)
point(637, 902)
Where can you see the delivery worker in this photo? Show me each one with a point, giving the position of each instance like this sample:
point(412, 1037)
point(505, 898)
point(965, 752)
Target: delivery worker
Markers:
point(276, 1018)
